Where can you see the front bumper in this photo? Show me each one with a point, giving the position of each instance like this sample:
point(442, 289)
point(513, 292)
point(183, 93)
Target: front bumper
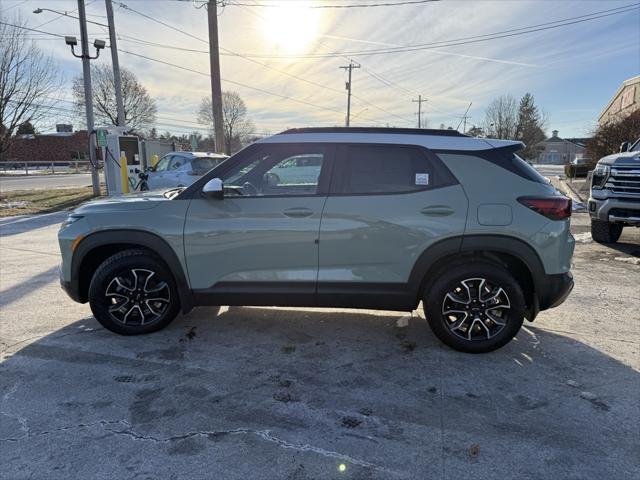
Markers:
point(612, 209)
point(70, 289)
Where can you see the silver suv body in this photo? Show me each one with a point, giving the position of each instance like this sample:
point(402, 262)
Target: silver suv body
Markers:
point(615, 194)
point(360, 218)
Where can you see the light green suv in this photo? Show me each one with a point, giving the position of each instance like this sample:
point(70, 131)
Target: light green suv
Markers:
point(335, 217)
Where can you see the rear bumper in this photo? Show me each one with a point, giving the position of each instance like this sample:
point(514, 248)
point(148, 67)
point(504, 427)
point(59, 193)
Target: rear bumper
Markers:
point(554, 290)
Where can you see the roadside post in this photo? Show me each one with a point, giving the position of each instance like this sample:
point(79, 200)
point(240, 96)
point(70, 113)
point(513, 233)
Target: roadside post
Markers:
point(124, 173)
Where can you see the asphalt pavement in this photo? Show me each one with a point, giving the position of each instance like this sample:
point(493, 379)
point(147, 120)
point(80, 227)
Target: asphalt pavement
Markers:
point(292, 393)
point(40, 182)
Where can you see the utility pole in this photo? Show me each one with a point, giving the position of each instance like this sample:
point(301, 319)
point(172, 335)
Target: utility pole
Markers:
point(88, 100)
point(216, 89)
point(419, 102)
point(464, 118)
point(117, 81)
point(349, 67)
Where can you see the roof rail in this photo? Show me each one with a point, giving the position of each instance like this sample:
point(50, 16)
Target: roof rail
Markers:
point(378, 130)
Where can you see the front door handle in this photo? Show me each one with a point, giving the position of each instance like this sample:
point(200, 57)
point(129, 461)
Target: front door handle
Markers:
point(437, 211)
point(298, 212)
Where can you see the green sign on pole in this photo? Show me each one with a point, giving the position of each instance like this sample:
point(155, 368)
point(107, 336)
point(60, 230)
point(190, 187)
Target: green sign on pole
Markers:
point(102, 137)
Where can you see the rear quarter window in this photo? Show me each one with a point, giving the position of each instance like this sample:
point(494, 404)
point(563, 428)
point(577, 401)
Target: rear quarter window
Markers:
point(504, 158)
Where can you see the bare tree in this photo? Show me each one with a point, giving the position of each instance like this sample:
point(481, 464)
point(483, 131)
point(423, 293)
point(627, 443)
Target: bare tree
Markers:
point(27, 78)
point(606, 139)
point(237, 127)
point(501, 118)
point(139, 108)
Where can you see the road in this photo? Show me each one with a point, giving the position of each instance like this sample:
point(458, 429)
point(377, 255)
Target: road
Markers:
point(292, 393)
point(550, 170)
point(39, 182)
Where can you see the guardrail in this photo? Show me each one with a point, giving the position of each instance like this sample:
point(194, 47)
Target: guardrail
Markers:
point(39, 167)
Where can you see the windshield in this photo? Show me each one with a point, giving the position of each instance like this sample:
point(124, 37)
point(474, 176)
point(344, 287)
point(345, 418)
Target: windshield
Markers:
point(635, 147)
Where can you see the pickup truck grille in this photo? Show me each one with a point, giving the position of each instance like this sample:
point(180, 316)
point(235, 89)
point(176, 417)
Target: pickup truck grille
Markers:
point(624, 179)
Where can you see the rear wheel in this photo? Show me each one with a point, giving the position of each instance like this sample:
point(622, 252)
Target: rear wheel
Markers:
point(476, 307)
point(605, 232)
point(133, 292)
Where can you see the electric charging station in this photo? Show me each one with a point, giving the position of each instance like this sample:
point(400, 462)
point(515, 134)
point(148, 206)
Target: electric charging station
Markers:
point(118, 148)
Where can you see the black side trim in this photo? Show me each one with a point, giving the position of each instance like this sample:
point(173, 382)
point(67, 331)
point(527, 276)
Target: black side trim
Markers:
point(383, 296)
point(131, 237)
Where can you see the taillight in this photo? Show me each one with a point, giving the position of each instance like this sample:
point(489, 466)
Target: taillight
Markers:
point(554, 208)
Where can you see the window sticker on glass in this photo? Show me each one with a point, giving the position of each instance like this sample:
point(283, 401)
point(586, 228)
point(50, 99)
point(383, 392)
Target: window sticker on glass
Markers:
point(422, 179)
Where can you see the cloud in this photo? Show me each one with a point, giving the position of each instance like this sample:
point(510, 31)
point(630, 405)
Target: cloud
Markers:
point(549, 64)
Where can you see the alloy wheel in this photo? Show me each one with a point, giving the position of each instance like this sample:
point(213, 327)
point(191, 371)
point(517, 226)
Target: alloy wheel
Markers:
point(476, 309)
point(137, 297)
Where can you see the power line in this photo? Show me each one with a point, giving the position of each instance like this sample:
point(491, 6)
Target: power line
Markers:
point(285, 97)
point(248, 59)
point(467, 40)
point(329, 88)
point(361, 5)
point(267, 92)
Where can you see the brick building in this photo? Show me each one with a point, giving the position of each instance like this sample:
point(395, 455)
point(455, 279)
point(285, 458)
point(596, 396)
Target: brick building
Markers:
point(49, 147)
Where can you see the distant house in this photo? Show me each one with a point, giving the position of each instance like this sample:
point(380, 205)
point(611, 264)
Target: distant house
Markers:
point(556, 150)
point(624, 101)
point(48, 147)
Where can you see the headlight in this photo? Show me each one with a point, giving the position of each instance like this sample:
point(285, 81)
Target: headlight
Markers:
point(600, 175)
point(69, 220)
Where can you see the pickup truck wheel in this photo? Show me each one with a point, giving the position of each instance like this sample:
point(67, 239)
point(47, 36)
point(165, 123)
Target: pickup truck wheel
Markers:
point(133, 292)
point(476, 307)
point(605, 232)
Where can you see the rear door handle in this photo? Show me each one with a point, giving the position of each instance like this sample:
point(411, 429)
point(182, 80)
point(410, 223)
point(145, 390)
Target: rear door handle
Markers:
point(298, 212)
point(437, 211)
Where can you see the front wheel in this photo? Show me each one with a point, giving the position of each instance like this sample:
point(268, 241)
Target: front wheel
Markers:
point(605, 232)
point(476, 307)
point(133, 292)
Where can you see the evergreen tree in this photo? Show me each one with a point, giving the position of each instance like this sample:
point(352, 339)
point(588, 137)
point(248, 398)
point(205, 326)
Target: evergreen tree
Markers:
point(530, 127)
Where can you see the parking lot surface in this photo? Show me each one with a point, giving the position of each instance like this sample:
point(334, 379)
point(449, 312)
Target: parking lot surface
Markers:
point(299, 394)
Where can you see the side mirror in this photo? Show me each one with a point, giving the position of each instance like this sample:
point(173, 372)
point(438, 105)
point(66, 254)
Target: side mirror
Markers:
point(149, 169)
point(214, 188)
point(624, 147)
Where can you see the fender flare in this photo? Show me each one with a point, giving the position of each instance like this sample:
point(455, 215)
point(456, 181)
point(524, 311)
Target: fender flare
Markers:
point(461, 245)
point(140, 238)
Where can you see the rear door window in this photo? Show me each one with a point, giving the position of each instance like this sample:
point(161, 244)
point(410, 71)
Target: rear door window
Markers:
point(387, 169)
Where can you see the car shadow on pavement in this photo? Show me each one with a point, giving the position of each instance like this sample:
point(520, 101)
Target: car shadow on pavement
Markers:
point(18, 292)
point(15, 225)
point(626, 248)
point(301, 393)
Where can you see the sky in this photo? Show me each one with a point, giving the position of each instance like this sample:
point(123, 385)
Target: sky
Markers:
point(267, 57)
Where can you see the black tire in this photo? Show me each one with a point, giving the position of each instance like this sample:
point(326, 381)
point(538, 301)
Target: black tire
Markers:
point(152, 305)
point(605, 232)
point(454, 330)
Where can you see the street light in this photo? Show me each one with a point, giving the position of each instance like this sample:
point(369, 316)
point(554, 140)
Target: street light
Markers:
point(65, 14)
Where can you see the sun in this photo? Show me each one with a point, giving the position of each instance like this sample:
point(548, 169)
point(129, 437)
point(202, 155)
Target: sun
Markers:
point(290, 26)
